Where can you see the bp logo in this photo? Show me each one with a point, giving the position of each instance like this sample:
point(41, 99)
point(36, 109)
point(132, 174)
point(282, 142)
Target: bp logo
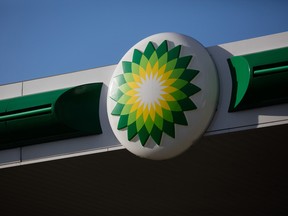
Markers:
point(156, 96)
point(153, 92)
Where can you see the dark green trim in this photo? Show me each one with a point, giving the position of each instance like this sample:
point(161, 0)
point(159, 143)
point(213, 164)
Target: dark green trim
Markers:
point(50, 116)
point(271, 70)
point(8, 116)
point(259, 79)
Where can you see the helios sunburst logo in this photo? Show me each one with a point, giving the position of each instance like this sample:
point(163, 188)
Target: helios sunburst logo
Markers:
point(162, 95)
point(153, 92)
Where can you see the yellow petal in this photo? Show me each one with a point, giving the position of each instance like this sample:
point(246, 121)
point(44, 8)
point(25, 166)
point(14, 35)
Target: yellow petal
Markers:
point(162, 70)
point(145, 113)
point(164, 104)
point(152, 113)
point(166, 75)
point(168, 82)
point(169, 89)
point(148, 66)
point(143, 72)
point(155, 68)
point(136, 78)
point(132, 100)
point(168, 97)
point(139, 112)
point(135, 106)
point(133, 85)
point(132, 92)
point(158, 110)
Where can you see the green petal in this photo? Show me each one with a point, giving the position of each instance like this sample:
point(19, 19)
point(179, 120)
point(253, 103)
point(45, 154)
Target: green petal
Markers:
point(169, 129)
point(137, 56)
point(123, 99)
point(132, 118)
point(116, 95)
point(174, 106)
point(178, 95)
point(122, 122)
point(183, 62)
point(126, 109)
point(190, 89)
point(149, 50)
point(132, 131)
point(144, 62)
point(158, 121)
point(189, 74)
point(140, 123)
point(177, 73)
point(120, 79)
point(126, 67)
point(129, 77)
point(124, 88)
point(187, 104)
point(179, 118)
point(135, 68)
point(153, 59)
point(179, 83)
point(156, 135)
point(167, 115)
point(163, 60)
point(117, 109)
point(171, 65)
point(162, 49)
point(143, 135)
point(174, 53)
point(149, 124)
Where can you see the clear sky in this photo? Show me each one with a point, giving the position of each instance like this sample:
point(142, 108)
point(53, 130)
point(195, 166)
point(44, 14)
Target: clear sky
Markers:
point(40, 38)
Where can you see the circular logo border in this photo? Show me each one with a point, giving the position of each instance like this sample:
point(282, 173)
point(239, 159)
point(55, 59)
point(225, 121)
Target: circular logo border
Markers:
point(131, 109)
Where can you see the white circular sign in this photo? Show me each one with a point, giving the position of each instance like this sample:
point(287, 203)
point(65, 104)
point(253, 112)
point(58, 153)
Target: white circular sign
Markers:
point(162, 95)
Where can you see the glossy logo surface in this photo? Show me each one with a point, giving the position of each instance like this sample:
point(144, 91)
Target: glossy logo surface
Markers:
point(162, 95)
point(153, 92)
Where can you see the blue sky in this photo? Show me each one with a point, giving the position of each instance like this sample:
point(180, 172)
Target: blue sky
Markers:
point(40, 38)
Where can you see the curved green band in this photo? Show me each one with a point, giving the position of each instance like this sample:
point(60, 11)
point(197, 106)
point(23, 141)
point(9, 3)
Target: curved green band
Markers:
point(50, 116)
point(259, 79)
